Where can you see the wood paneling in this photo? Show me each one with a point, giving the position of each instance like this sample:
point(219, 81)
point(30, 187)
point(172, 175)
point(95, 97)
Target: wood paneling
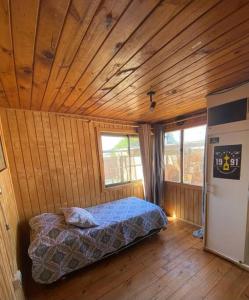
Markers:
point(10, 239)
point(184, 201)
point(54, 161)
point(6, 286)
point(100, 58)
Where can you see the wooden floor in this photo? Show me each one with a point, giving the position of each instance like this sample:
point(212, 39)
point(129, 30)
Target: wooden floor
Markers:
point(171, 265)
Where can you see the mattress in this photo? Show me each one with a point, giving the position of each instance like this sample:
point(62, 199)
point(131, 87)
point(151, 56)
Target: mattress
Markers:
point(57, 248)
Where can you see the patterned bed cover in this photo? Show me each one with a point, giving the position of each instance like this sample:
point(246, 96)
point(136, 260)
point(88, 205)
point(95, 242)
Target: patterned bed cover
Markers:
point(57, 249)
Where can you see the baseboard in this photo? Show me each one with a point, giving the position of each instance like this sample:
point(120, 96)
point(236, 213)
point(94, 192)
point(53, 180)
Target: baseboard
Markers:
point(189, 222)
point(240, 265)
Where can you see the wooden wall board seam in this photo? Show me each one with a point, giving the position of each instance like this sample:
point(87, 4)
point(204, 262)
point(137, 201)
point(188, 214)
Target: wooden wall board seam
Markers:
point(12, 166)
point(57, 145)
point(43, 161)
point(10, 255)
point(22, 166)
point(83, 118)
point(32, 152)
point(64, 161)
point(89, 159)
point(29, 167)
point(55, 161)
point(80, 133)
point(77, 164)
point(72, 165)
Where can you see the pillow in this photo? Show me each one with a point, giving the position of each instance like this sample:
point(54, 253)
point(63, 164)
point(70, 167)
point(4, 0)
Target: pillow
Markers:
point(79, 217)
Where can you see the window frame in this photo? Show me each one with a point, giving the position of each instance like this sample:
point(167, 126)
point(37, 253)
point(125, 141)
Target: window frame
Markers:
point(113, 132)
point(181, 129)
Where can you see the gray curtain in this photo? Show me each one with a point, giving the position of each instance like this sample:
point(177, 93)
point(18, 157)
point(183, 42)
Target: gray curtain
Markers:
point(152, 154)
point(146, 146)
point(158, 176)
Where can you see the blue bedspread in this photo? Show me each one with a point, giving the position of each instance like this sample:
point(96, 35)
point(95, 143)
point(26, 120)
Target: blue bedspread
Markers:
point(57, 248)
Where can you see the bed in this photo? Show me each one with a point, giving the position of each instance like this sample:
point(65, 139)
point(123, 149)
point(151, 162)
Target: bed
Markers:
point(57, 248)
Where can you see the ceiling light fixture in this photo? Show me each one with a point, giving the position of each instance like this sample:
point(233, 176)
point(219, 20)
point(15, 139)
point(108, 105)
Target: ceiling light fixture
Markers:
point(152, 103)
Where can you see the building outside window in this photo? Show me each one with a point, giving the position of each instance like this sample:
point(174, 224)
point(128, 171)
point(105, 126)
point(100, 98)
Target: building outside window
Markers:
point(121, 158)
point(184, 155)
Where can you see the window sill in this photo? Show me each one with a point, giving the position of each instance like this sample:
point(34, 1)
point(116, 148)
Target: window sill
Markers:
point(185, 185)
point(121, 185)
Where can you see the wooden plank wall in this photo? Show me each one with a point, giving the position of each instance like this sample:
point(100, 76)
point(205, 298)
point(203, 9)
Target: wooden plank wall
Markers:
point(6, 287)
point(54, 162)
point(185, 201)
point(9, 235)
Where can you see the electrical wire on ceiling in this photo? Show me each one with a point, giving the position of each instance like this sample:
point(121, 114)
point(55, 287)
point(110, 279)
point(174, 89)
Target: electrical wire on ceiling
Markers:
point(229, 89)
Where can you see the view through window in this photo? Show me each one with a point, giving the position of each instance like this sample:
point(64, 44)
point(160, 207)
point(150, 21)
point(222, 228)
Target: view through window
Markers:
point(172, 144)
point(192, 162)
point(122, 159)
point(193, 155)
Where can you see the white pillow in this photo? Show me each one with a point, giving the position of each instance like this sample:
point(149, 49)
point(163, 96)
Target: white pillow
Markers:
point(79, 217)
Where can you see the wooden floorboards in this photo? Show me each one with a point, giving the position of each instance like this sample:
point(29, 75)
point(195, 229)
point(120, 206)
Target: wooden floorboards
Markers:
point(170, 265)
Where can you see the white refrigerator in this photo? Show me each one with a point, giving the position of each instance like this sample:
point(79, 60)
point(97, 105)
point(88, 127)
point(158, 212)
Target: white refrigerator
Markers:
point(227, 190)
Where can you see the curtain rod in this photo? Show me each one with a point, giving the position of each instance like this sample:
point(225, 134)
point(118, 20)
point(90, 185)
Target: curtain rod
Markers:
point(97, 120)
point(80, 117)
point(203, 114)
point(117, 122)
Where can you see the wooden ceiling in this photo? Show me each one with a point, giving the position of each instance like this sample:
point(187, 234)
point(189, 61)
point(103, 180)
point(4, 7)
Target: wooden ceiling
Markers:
point(100, 57)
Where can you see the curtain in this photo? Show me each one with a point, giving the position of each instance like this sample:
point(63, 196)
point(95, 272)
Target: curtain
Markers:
point(146, 148)
point(158, 176)
point(152, 154)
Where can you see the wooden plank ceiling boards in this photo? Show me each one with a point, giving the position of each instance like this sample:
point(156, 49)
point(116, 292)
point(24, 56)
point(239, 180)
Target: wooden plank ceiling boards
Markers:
point(100, 57)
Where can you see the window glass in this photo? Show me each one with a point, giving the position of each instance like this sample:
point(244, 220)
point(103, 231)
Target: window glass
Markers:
point(172, 144)
point(122, 160)
point(135, 155)
point(193, 155)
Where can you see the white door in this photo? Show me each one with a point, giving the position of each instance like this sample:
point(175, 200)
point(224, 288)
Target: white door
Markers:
point(227, 199)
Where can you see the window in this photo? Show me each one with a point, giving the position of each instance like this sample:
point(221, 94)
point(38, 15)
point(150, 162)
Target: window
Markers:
point(122, 159)
point(184, 155)
point(173, 156)
point(193, 155)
